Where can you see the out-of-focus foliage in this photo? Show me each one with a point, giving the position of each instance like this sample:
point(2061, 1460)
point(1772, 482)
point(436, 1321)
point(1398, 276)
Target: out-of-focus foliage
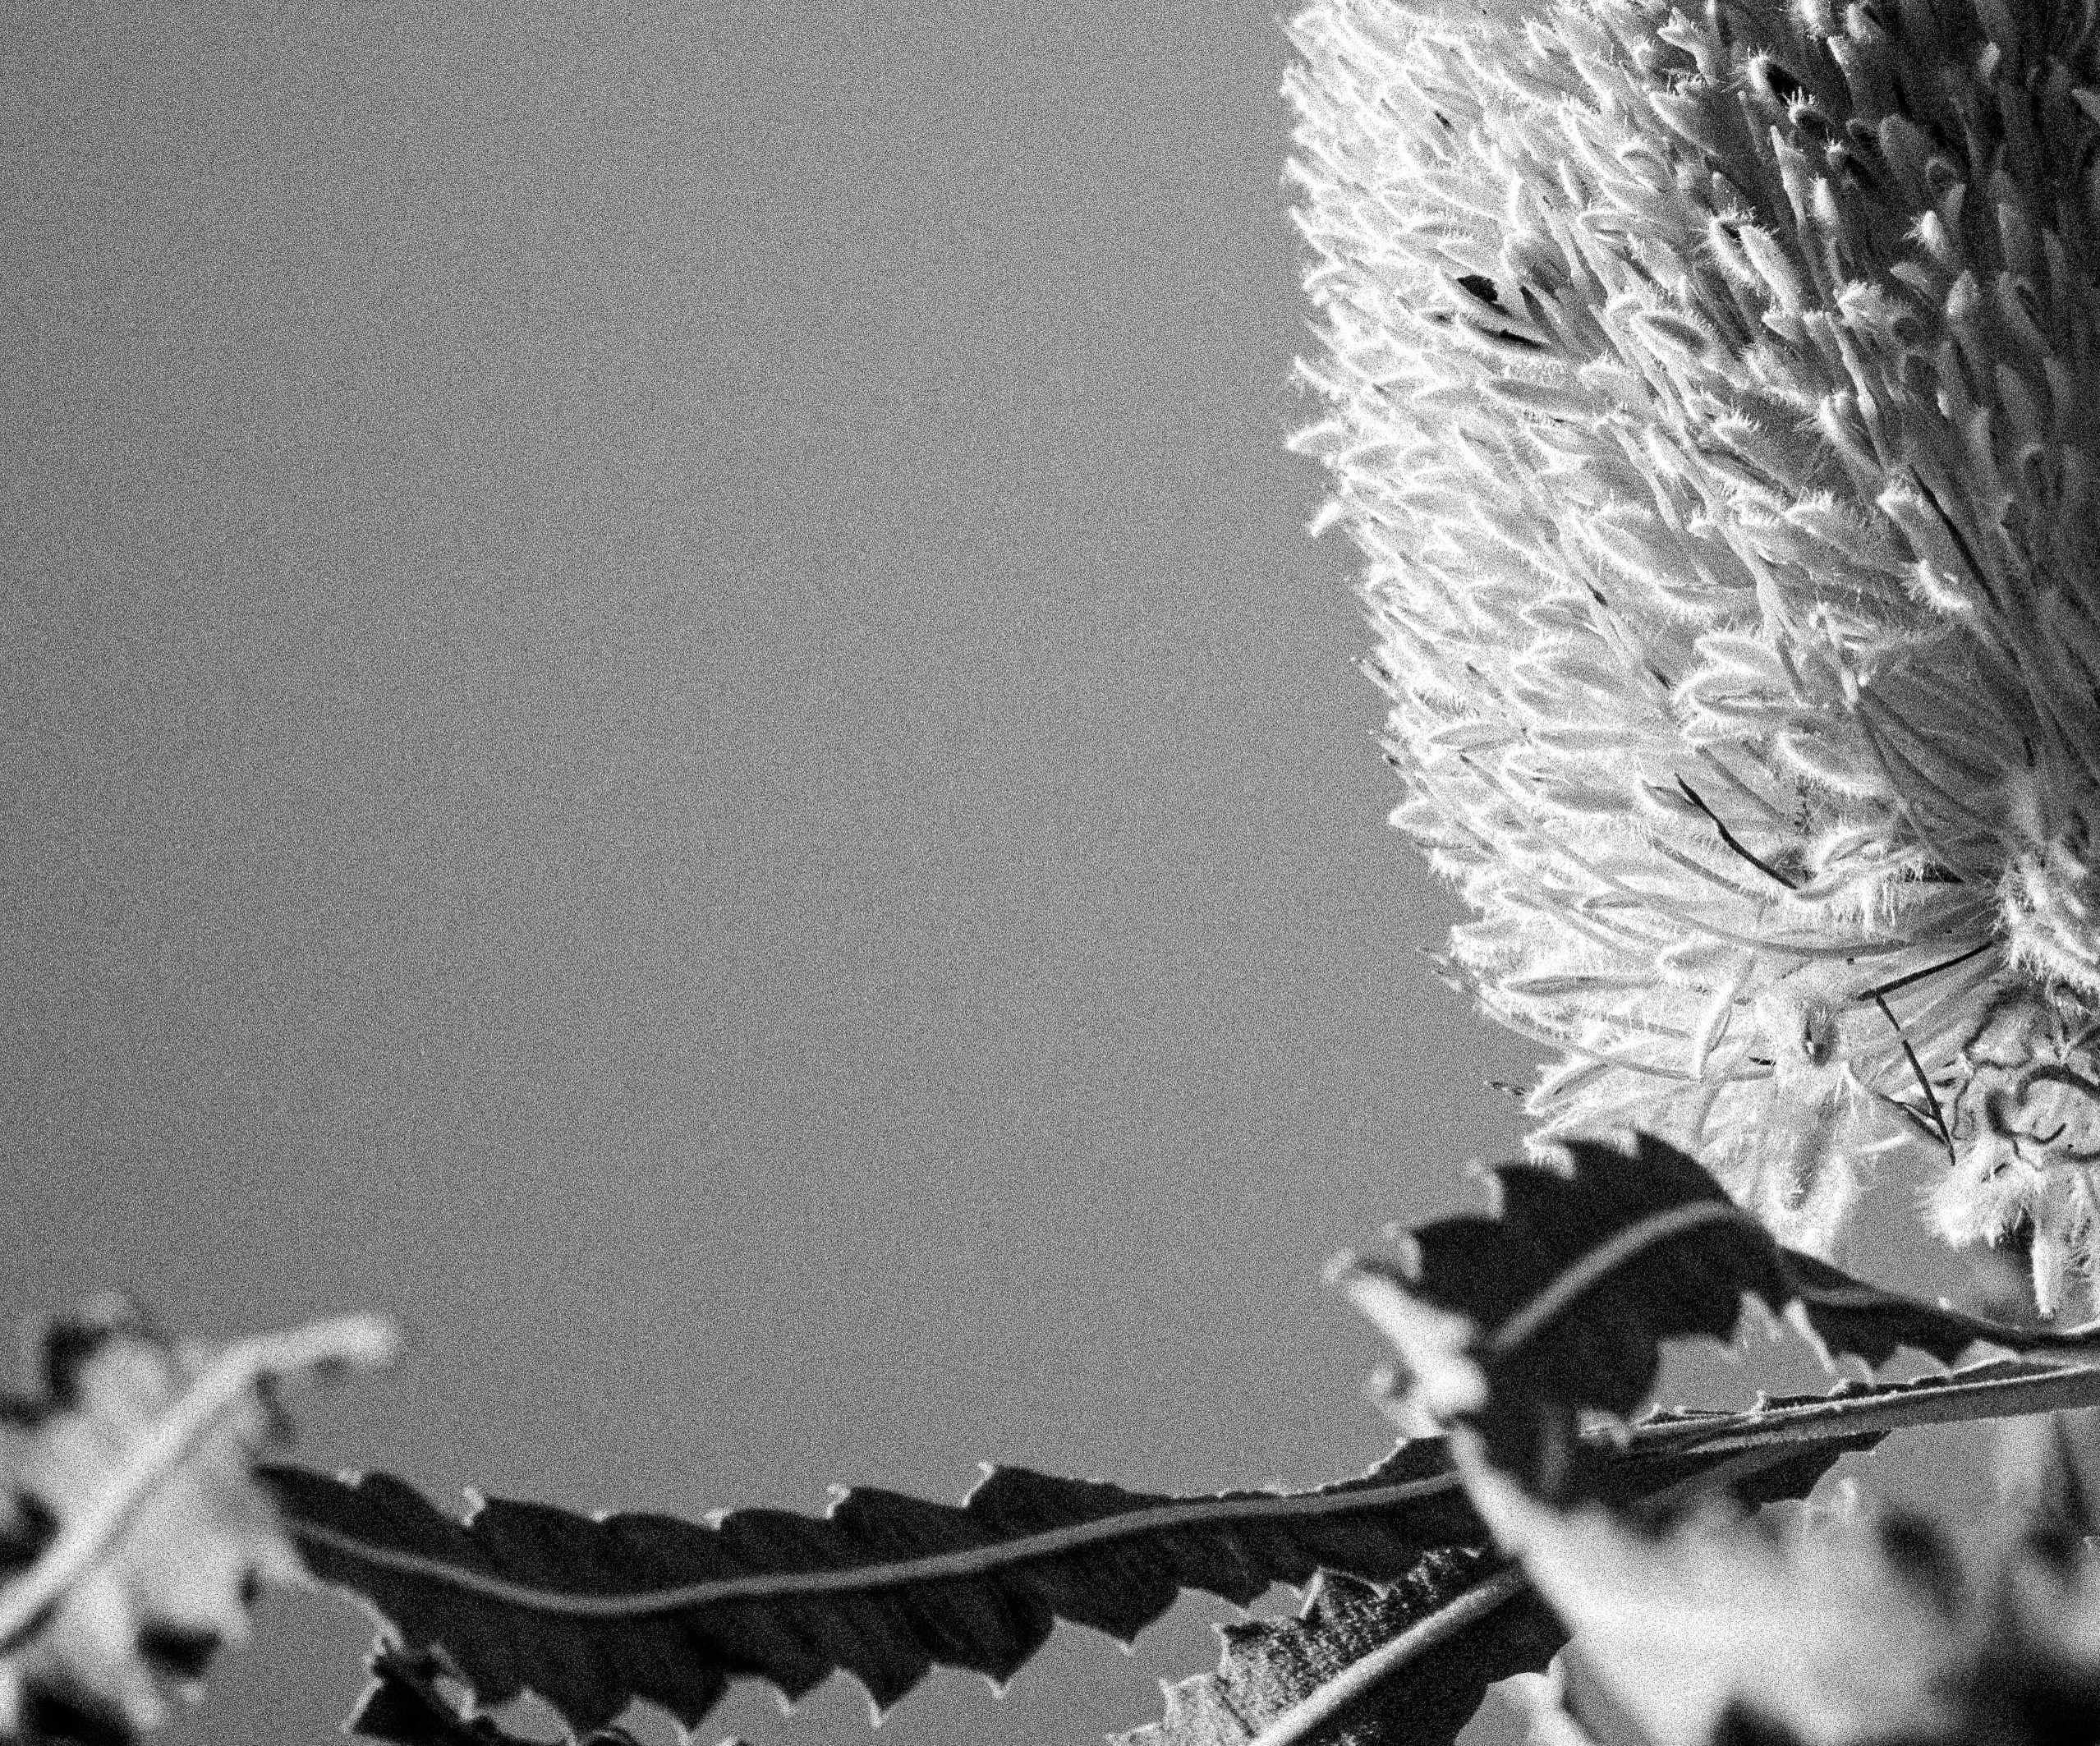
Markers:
point(136, 1537)
point(1844, 1630)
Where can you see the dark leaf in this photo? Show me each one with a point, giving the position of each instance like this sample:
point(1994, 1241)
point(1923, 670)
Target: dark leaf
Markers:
point(407, 1705)
point(1562, 1299)
point(591, 1614)
point(1409, 1667)
point(1363, 1666)
point(1575, 1286)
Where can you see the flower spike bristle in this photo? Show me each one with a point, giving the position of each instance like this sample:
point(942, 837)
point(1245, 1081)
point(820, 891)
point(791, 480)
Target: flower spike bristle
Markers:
point(1710, 393)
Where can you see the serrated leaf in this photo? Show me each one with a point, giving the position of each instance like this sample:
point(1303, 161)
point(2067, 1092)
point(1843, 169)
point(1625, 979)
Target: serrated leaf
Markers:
point(135, 1538)
point(1458, 1624)
point(1562, 1299)
point(1363, 1665)
point(407, 1705)
point(590, 1614)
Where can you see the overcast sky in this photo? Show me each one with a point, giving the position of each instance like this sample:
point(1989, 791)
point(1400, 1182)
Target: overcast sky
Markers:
point(665, 710)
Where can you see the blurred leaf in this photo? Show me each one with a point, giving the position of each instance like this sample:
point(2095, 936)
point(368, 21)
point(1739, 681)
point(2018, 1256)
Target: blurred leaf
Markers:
point(1828, 1637)
point(1864, 1630)
point(2047, 1473)
point(1542, 1699)
point(134, 1538)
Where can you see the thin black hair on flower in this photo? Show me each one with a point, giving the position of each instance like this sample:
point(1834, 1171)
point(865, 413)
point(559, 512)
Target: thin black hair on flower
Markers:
point(1713, 393)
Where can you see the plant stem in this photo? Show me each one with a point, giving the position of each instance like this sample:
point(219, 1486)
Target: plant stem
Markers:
point(2005, 1388)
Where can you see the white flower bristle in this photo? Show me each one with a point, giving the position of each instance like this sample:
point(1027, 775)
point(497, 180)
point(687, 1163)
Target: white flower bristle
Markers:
point(1714, 395)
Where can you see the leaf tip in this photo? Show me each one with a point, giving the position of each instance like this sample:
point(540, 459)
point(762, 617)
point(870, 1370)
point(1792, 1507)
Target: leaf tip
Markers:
point(1437, 1371)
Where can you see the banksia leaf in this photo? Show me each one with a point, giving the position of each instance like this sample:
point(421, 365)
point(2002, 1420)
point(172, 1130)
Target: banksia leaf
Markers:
point(1405, 1663)
point(1779, 467)
point(407, 1704)
point(135, 1538)
point(1562, 1300)
point(592, 1614)
point(1367, 1666)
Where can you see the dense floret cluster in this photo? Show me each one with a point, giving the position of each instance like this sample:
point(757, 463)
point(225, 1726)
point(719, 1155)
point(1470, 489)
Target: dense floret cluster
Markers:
point(1713, 395)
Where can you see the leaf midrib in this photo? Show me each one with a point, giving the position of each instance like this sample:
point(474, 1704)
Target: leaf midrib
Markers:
point(2004, 1393)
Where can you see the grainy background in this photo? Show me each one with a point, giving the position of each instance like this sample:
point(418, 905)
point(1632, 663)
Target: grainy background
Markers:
point(664, 709)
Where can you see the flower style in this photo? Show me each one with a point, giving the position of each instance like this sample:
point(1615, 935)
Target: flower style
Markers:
point(1712, 394)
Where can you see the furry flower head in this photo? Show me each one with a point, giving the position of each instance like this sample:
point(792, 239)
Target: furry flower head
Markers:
point(1715, 394)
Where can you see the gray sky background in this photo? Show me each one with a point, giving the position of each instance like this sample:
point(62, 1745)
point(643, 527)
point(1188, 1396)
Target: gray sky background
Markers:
point(665, 710)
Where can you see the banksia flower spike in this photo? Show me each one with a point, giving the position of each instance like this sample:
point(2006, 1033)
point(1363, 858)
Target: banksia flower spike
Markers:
point(1715, 395)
